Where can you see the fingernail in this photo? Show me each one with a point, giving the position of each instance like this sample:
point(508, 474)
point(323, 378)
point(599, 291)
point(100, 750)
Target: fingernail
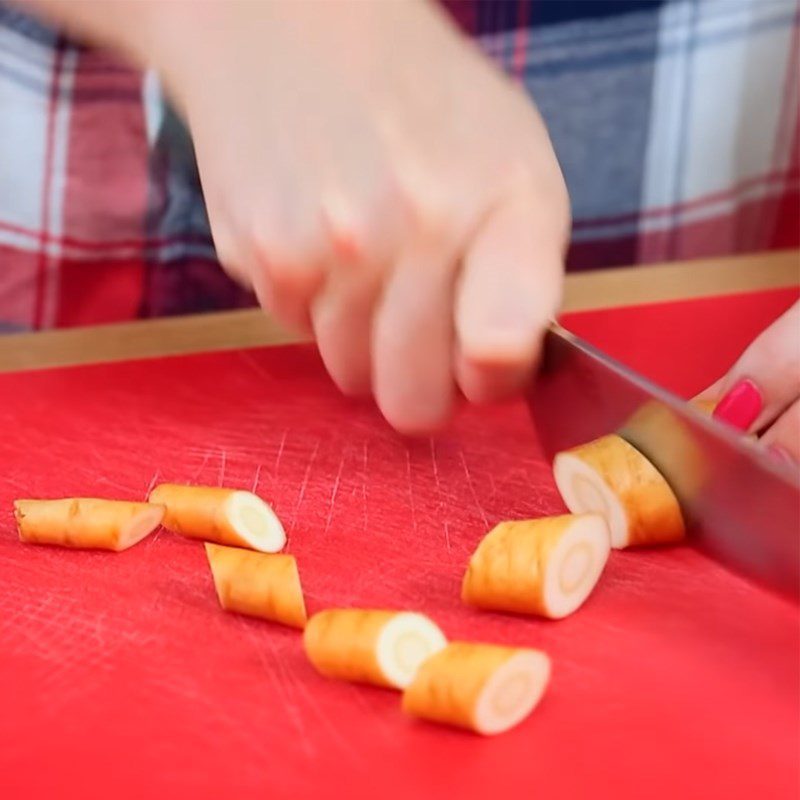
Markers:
point(780, 453)
point(741, 406)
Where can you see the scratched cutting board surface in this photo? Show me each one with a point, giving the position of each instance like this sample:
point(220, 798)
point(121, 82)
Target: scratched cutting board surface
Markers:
point(120, 676)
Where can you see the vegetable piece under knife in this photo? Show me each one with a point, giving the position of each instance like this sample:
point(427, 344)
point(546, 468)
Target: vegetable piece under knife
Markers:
point(611, 477)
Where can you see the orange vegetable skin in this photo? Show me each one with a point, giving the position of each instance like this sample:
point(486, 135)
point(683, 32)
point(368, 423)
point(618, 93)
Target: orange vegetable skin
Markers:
point(86, 522)
point(265, 585)
point(224, 516)
point(384, 648)
point(482, 687)
point(609, 476)
point(544, 566)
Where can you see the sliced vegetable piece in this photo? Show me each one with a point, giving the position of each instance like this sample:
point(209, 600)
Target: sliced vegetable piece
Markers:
point(86, 522)
point(265, 585)
point(224, 516)
point(611, 477)
point(482, 687)
point(368, 646)
point(543, 566)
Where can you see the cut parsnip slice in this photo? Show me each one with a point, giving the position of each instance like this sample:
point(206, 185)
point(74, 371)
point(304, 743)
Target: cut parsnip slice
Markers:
point(86, 522)
point(380, 647)
point(539, 566)
point(265, 585)
point(482, 687)
point(224, 516)
point(610, 477)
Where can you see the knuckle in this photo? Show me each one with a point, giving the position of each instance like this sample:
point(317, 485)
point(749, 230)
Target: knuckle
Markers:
point(346, 223)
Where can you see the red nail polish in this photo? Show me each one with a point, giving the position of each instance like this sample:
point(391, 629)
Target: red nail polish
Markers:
point(741, 405)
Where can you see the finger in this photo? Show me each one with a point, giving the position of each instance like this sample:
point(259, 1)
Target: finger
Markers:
point(711, 393)
point(364, 226)
point(510, 288)
point(229, 255)
point(766, 378)
point(413, 342)
point(489, 383)
point(342, 316)
point(783, 436)
point(287, 275)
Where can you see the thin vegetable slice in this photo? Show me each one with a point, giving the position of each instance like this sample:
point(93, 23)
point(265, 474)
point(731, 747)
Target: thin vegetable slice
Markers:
point(482, 687)
point(224, 516)
point(543, 566)
point(611, 477)
point(265, 585)
point(86, 522)
point(384, 648)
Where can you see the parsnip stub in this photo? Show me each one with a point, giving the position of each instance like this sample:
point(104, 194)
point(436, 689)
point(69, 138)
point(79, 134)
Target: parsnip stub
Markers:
point(265, 585)
point(223, 516)
point(610, 477)
point(384, 648)
point(543, 566)
point(482, 687)
point(86, 522)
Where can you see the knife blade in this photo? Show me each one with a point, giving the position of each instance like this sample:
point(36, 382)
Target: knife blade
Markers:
point(741, 506)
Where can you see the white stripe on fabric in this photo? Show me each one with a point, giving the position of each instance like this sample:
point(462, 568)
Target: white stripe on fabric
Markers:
point(670, 78)
point(716, 103)
point(23, 136)
point(736, 99)
point(58, 185)
point(153, 105)
point(789, 114)
point(663, 222)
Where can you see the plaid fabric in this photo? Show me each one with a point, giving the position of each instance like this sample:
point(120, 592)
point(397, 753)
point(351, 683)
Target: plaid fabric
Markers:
point(676, 124)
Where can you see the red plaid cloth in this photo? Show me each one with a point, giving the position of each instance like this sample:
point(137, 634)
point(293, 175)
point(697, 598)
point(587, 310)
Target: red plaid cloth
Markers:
point(676, 124)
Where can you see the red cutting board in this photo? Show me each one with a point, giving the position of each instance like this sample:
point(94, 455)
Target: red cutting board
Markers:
point(121, 677)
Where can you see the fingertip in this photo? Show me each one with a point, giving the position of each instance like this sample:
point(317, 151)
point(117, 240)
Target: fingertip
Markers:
point(484, 382)
point(416, 416)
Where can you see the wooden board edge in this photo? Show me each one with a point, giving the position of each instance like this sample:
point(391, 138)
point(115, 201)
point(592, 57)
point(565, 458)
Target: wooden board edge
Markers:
point(610, 288)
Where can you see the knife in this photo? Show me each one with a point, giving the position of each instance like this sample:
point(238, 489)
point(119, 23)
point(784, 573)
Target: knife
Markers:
point(741, 506)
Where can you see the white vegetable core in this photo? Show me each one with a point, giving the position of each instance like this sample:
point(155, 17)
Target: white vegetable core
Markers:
point(140, 526)
point(512, 692)
point(575, 564)
point(405, 642)
point(255, 522)
point(584, 489)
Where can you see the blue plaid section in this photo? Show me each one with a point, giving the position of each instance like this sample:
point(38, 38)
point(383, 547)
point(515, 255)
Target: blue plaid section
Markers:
point(183, 274)
point(14, 19)
point(589, 66)
point(591, 80)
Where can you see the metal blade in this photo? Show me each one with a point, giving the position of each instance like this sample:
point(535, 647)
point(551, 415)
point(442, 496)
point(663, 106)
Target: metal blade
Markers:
point(740, 505)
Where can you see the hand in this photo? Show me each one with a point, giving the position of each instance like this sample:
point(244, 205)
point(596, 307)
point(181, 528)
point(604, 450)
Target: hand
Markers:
point(374, 178)
point(761, 393)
